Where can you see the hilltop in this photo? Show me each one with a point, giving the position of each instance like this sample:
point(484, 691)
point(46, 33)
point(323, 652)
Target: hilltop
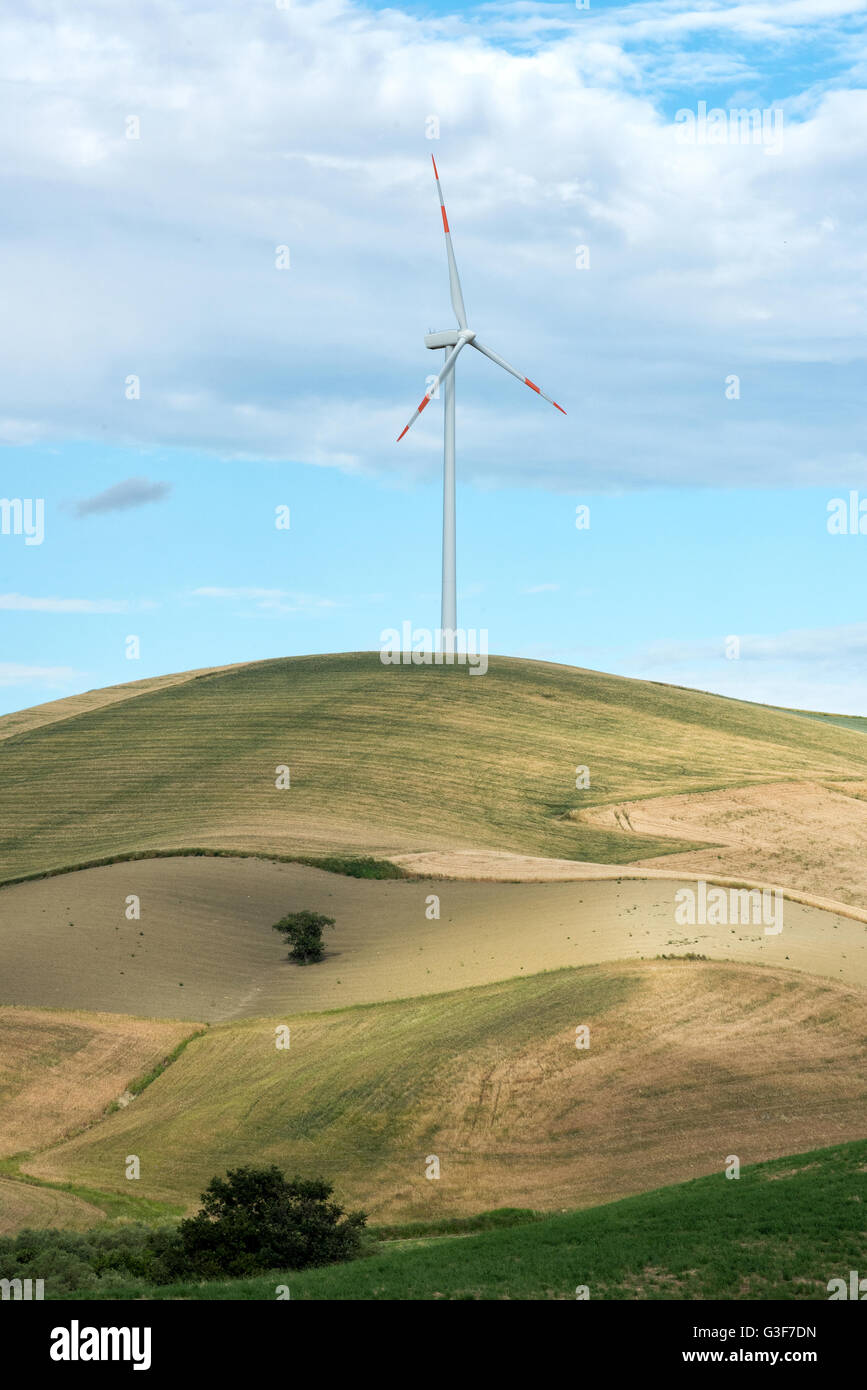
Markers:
point(390, 760)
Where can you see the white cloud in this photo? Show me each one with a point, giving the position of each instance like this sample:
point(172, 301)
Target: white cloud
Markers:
point(810, 668)
point(23, 603)
point(238, 593)
point(271, 600)
point(51, 677)
point(817, 669)
point(305, 127)
point(809, 645)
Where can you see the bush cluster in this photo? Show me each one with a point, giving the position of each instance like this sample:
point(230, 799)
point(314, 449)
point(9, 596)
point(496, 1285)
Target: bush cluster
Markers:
point(252, 1221)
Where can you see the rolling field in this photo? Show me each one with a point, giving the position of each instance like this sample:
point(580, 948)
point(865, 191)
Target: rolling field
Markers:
point(452, 1036)
point(846, 721)
point(59, 1071)
point(55, 711)
point(782, 1231)
point(386, 760)
point(809, 837)
point(689, 1061)
point(204, 949)
point(23, 1205)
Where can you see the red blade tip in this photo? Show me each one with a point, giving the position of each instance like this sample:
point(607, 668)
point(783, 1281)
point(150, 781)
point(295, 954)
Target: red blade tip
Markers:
point(434, 163)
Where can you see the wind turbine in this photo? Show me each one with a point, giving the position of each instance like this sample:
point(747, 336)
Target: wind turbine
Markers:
point(452, 341)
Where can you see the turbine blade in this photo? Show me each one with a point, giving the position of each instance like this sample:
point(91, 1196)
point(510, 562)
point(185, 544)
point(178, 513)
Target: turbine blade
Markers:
point(448, 366)
point(454, 280)
point(501, 362)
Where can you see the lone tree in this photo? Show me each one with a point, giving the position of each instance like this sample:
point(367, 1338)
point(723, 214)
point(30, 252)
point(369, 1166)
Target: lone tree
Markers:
point(256, 1219)
point(304, 931)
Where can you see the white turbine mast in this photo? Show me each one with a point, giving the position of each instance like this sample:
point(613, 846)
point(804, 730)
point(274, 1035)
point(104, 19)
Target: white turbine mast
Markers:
point(452, 341)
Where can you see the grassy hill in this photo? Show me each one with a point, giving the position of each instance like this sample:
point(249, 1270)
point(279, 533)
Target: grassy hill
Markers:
point(689, 1061)
point(845, 721)
point(55, 711)
point(779, 1232)
point(59, 1071)
point(382, 759)
point(25, 1206)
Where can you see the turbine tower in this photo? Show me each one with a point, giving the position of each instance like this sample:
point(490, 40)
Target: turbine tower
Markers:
point(452, 341)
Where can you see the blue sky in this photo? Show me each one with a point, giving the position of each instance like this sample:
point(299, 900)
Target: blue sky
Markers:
point(308, 127)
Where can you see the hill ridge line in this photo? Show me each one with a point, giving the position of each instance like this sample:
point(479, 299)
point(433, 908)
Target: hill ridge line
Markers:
point(171, 679)
point(602, 873)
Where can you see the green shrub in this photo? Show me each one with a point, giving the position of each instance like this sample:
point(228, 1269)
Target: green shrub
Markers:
point(69, 1261)
point(255, 1219)
point(251, 1221)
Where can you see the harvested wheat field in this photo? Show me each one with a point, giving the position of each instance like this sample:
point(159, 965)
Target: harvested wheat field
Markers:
point(24, 1205)
point(59, 1071)
point(688, 1063)
point(204, 948)
point(802, 835)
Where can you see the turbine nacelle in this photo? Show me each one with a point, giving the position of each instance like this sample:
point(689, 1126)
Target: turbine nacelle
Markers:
point(449, 338)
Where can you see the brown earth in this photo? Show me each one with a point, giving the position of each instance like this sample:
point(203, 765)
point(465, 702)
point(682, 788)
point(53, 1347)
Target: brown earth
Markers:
point(204, 948)
point(805, 836)
point(704, 1062)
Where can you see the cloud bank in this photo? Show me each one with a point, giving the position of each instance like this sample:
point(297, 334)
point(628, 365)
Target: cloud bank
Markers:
point(223, 234)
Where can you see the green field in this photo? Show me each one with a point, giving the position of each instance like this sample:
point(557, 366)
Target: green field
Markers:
point(385, 759)
point(782, 1230)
